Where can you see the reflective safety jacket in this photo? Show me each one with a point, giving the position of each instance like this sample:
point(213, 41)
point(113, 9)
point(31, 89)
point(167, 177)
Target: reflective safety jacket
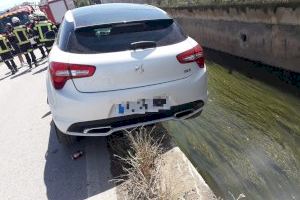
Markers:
point(4, 45)
point(21, 34)
point(42, 28)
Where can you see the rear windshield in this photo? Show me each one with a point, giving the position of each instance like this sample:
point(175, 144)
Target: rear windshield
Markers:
point(119, 37)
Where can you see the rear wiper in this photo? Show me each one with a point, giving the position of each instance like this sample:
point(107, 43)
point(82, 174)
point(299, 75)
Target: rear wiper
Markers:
point(142, 45)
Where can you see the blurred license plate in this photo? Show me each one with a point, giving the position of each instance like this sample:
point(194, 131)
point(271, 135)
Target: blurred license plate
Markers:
point(142, 106)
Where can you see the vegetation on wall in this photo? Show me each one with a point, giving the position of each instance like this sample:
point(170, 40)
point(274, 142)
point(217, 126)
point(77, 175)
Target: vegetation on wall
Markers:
point(183, 3)
point(195, 2)
point(207, 2)
point(81, 3)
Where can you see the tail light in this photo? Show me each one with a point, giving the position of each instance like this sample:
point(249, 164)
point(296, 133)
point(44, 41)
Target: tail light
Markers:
point(193, 55)
point(61, 72)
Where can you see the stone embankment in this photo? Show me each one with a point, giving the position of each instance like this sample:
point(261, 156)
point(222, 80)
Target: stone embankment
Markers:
point(267, 33)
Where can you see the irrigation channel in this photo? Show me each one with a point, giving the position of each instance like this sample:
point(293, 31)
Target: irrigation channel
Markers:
point(247, 140)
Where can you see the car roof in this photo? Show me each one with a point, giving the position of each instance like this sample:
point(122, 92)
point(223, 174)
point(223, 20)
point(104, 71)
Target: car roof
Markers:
point(115, 13)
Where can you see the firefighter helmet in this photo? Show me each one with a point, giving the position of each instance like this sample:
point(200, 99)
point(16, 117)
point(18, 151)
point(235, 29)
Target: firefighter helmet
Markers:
point(15, 20)
point(30, 17)
point(39, 14)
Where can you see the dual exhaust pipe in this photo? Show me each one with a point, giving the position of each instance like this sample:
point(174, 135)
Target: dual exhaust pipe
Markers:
point(106, 129)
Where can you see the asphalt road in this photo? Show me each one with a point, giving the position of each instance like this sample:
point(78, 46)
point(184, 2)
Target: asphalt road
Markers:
point(33, 165)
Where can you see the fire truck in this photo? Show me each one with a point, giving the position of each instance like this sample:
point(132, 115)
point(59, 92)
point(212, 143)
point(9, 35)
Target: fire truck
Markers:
point(22, 12)
point(55, 9)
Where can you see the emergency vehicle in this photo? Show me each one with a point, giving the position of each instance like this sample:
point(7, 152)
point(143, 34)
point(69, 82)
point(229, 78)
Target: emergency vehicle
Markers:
point(22, 12)
point(56, 9)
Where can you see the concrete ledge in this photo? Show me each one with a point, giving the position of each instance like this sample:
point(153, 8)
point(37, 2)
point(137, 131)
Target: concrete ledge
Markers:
point(173, 176)
point(181, 178)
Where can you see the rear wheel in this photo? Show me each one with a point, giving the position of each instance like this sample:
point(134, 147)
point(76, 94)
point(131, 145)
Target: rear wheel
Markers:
point(64, 138)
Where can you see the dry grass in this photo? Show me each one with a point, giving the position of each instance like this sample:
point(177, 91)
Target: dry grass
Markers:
point(139, 154)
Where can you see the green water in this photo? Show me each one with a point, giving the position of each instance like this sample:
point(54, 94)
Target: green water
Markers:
point(247, 140)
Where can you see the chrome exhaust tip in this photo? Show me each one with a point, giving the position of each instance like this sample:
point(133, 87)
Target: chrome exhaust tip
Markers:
point(101, 129)
point(183, 113)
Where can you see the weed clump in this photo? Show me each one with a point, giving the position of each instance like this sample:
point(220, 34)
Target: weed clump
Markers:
point(140, 177)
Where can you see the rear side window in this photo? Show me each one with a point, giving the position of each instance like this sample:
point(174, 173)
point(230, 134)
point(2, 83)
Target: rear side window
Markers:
point(119, 37)
point(66, 28)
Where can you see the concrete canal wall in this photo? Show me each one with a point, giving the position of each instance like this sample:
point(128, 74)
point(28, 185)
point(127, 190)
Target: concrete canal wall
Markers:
point(268, 33)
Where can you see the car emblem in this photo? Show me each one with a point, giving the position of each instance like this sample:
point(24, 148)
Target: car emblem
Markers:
point(139, 69)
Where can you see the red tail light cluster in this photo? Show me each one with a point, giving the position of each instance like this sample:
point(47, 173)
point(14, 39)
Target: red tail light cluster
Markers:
point(61, 72)
point(193, 55)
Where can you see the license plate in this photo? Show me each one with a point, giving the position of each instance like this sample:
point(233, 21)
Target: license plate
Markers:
point(142, 106)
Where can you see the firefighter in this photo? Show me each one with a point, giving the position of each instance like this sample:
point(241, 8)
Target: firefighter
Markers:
point(6, 54)
point(34, 35)
point(21, 34)
point(42, 27)
point(13, 41)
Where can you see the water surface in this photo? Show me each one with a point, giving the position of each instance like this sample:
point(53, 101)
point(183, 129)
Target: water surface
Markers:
point(247, 140)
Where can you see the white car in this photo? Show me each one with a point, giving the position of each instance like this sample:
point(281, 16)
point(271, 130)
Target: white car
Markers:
point(119, 66)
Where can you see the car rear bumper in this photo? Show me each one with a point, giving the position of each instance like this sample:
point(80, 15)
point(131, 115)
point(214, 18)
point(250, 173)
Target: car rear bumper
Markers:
point(105, 127)
point(80, 114)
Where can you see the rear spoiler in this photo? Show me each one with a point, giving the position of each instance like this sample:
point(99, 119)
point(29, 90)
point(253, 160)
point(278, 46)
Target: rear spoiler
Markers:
point(117, 23)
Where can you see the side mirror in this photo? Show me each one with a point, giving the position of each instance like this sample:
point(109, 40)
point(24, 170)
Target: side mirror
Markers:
point(50, 35)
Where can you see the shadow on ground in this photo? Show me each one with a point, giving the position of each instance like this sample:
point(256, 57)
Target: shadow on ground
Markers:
point(46, 115)
point(41, 70)
point(5, 77)
point(68, 179)
point(20, 74)
point(120, 145)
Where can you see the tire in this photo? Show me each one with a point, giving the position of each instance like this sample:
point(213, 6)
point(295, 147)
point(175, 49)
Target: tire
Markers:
point(64, 138)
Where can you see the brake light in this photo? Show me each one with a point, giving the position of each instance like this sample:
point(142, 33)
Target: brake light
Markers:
point(62, 72)
point(193, 55)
